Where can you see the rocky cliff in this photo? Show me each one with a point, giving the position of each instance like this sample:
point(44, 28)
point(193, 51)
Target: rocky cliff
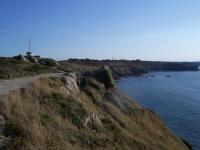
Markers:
point(82, 111)
point(122, 68)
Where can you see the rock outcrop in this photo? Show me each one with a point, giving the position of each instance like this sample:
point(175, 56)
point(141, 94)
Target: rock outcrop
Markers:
point(92, 119)
point(71, 82)
point(103, 81)
point(122, 68)
point(103, 75)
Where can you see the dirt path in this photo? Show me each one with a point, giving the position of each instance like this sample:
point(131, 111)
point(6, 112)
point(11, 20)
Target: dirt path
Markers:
point(7, 86)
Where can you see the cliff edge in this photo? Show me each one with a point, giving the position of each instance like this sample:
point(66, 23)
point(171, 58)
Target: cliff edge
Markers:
point(81, 111)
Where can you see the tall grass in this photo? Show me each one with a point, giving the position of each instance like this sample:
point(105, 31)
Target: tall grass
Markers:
point(44, 117)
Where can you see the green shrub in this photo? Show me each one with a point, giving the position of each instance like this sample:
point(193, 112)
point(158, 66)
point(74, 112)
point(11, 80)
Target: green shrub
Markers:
point(91, 139)
point(67, 107)
point(73, 111)
point(45, 119)
point(13, 129)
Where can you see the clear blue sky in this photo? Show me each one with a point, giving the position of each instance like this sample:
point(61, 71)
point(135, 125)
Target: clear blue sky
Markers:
point(99, 29)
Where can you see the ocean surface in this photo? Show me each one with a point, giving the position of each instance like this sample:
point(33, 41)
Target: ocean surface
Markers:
point(174, 96)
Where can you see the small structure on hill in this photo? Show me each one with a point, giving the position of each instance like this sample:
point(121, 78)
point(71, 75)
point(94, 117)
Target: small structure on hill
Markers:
point(29, 53)
point(30, 56)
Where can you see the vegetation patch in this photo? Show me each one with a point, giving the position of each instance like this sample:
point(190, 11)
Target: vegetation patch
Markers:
point(13, 129)
point(72, 110)
point(68, 108)
point(91, 139)
point(46, 119)
point(42, 117)
point(13, 68)
point(93, 83)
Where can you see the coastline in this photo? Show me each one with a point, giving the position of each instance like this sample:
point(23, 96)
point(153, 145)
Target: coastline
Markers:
point(188, 144)
point(114, 70)
point(96, 95)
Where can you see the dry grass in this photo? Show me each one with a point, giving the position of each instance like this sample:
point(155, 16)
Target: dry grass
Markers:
point(44, 117)
point(18, 68)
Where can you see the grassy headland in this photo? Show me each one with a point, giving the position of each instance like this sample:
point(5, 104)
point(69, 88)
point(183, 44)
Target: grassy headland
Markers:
point(16, 67)
point(84, 111)
point(121, 68)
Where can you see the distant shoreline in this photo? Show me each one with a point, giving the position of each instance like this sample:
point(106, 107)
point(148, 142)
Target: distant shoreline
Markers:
point(125, 68)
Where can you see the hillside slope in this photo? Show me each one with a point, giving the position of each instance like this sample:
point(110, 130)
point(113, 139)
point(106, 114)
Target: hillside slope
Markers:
point(84, 111)
point(121, 68)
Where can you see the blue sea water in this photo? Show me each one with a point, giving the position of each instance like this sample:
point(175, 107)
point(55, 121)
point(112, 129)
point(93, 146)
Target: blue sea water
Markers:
point(174, 96)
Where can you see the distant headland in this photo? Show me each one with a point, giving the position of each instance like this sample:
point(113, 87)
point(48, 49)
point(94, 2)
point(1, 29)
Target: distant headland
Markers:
point(119, 68)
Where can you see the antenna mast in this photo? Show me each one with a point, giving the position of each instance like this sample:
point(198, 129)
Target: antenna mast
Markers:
point(29, 45)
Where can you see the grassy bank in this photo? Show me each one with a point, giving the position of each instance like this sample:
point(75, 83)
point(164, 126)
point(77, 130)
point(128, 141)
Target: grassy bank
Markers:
point(45, 116)
point(12, 68)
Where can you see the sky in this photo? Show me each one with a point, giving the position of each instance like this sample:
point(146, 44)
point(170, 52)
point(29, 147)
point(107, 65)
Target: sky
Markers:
point(166, 30)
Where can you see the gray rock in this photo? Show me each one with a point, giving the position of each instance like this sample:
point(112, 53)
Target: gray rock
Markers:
point(104, 75)
point(70, 82)
point(92, 119)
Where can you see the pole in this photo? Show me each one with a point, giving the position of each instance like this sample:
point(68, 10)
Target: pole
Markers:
point(29, 44)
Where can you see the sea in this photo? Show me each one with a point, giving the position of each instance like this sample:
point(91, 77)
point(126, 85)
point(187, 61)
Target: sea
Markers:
point(174, 96)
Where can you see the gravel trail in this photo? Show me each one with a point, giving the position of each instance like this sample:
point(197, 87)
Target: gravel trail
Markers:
point(7, 86)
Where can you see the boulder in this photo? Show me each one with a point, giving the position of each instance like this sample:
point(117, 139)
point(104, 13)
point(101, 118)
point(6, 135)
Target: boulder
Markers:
point(92, 119)
point(104, 75)
point(70, 82)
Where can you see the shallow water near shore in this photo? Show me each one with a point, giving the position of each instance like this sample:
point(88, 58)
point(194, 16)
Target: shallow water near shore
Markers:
point(174, 96)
